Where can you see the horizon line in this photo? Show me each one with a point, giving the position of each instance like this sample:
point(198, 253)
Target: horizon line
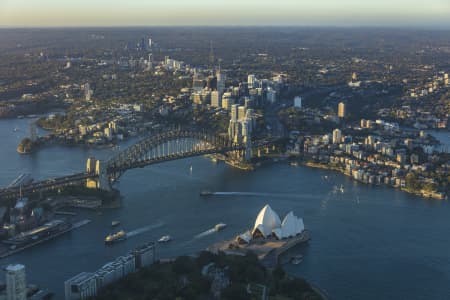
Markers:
point(388, 26)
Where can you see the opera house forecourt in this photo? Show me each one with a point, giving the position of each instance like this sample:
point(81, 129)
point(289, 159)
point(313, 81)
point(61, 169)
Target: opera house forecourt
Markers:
point(269, 238)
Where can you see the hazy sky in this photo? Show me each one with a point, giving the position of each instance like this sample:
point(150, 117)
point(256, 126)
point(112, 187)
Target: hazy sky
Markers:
point(429, 13)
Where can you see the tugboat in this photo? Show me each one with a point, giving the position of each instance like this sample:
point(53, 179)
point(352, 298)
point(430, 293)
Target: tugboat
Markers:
point(220, 226)
point(115, 237)
point(165, 239)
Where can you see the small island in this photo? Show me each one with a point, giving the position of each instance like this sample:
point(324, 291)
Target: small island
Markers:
point(26, 146)
point(210, 276)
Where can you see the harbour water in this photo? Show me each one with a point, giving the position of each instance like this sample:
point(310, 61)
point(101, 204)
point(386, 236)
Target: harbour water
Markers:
point(367, 242)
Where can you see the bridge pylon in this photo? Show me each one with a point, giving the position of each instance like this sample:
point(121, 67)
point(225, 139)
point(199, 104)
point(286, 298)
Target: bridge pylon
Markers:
point(96, 167)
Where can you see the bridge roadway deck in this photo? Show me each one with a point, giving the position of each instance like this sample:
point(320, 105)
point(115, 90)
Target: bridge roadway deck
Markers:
point(53, 183)
point(48, 184)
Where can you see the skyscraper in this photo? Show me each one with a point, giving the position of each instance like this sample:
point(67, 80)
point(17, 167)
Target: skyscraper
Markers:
point(298, 102)
point(220, 81)
point(251, 81)
point(16, 285)
point(234, 112)
point(241, 113)
point(341, 110)
point(216, 99)
point(337, 136)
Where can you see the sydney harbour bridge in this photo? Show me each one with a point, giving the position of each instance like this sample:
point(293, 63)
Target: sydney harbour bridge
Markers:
point(158, 148)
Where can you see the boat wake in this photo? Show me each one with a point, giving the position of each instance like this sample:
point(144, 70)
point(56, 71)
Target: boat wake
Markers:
point(144, 229)
point(205, 233)
point(252, 194)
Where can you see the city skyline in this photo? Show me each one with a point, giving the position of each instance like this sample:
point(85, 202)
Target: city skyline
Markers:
point(52, 13)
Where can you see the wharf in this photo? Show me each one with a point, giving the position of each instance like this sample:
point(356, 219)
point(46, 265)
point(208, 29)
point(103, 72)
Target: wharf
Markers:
point(65, 213)
point(268, 250)
point(7, 252)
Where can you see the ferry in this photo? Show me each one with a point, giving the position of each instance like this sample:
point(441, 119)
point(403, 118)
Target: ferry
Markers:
point(220, 226)
point(206, 193)
point(115, 223)
point(116, 237)
point(165, 239)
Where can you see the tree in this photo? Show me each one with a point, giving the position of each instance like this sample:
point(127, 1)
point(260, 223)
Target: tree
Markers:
point(235, 292)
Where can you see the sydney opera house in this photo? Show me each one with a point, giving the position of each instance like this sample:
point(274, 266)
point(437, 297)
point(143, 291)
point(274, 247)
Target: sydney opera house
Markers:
point(268, 224)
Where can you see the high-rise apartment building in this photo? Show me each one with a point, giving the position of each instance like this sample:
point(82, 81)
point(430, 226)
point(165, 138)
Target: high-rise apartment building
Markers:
point(337, 136)
point(16, 284)
point(341, 110)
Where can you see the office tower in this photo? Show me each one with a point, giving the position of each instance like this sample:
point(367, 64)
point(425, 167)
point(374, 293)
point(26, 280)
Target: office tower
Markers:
point(16, 285)
point(150, 61)
point(87, 93)
point(271, 95)
point(220, 81)
point(234, 112)
point(197, 82)
point(251, 81)
point(341, 110)
point(337, 136)
point(246, 128)
point(248, 103)
point(216, 100)
point(227, 101)
point(298, 102)
point(211, 83)
point(241, 113)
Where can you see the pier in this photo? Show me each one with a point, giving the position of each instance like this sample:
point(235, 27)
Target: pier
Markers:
point(10, 252)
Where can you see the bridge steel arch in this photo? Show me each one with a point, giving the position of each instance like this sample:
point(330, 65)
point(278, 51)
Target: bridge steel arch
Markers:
point(137, 155)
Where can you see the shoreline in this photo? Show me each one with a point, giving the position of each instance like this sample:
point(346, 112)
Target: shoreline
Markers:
point(423, 194)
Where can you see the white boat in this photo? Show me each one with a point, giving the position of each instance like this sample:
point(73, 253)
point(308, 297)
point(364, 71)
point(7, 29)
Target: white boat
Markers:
point(297, 259)
point(165, 239)
point(342, 189)
point(220, 226)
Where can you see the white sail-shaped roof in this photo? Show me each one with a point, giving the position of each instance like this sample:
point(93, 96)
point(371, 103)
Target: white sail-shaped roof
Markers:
point(246, 237)
point(266, 221)
point(291, 226)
